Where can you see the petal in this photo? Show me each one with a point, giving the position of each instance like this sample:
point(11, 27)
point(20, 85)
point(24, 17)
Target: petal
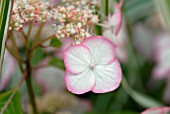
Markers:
point(102, 50)
point(157, 110)
point(80, 83)
point(108, 77)
point(161, 71)
point(116, 19)
point(77, 58)
point(108, 34)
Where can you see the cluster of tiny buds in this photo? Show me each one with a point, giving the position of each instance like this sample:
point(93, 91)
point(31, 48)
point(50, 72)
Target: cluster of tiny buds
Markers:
point(83, 2)
point(72, 30)
point(73, 20)
point(26, 11)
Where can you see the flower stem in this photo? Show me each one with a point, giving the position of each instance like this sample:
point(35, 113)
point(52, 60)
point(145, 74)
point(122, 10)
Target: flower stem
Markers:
point(26, 41)
point(37, 36)
point(106, 7)
point(29, 30)
point(30, 88)
point(29, 72)
point(41, 42)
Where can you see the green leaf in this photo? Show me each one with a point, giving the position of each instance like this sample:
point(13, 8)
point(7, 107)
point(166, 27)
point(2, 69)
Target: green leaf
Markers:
point(10, 102)
point(38, 56)
point(142, 99)
point(56, 62)
point(5, 9)
point(55, 43)
point(163, 7)
point(102, 101)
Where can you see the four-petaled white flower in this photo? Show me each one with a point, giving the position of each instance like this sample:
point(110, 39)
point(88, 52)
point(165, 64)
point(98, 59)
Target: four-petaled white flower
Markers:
point(92, 66)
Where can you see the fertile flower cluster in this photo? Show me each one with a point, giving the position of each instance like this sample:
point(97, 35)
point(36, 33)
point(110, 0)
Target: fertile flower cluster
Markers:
point(73, 21)
point(83, 2)
point(28, 10)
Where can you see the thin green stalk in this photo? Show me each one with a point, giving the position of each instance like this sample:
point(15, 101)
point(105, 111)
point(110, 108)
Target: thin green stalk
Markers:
point(14, 43)
point(26, 41)
point(106, 7)
point(30, 87)
point(16, 50)
point(17, 58)
point(29, 29)
point(37, 36)
point(29, 77)
point(41, 42)
point(14, 55)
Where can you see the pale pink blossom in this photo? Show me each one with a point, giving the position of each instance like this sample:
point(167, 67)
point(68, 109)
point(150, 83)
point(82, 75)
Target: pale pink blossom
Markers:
point(162, 55)
point(143, 39)
point(52, 82)
point(7, 70)
point(113, 30)
point(114, 22)
point(157, 110)
point(116, 19)
point(120, 41)
point(92, 66)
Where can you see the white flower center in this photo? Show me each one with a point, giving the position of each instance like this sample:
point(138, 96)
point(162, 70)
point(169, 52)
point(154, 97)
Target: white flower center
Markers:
point(92, 66)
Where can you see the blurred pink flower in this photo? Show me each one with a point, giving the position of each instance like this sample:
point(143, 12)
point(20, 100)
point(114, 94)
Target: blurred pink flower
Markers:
point(114, 31)
point(8, 68)
point(92, 66)
point(162, 55)
point(120, 41)
point(114, 22)
point(143, 40)
point(116, 19)
point(52, 82)
point(157, 110)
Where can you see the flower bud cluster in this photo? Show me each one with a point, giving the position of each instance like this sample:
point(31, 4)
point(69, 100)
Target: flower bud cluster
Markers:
point(73, 20)
point(28, 10)
point(82, 2)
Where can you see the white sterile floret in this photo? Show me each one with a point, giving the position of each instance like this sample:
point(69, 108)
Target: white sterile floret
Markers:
point(92, 66)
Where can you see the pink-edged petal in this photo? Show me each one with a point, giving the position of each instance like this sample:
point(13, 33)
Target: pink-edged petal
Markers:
point(108, 77)
point(108, 34)
point(80, 83)
point(116, 19)
point(77, 58)
point(102, 50)
point(157, 110)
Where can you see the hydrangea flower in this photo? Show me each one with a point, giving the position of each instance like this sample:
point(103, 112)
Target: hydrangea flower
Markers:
point(162, 54)
point(157, 110)
point(114, 23)
point(92, 66)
